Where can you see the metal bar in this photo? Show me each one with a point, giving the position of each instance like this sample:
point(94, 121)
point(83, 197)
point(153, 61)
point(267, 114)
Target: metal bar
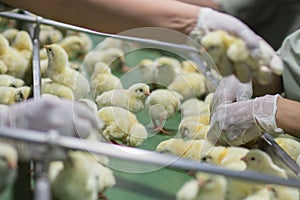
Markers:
point(138, 155)
point(61, 25)
point(36, 69)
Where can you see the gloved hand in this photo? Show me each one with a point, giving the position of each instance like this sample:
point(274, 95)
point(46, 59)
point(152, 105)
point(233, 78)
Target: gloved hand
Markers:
point(67, 117)
point(268, 61)
point(241, 122)
point(230, 90)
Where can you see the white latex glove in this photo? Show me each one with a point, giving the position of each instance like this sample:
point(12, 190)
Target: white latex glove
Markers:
point(230, 90)
point(67, 117)
point(269, 62)
point(241, 122)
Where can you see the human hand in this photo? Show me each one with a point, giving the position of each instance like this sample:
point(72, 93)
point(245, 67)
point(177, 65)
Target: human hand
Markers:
point(231, 90)
point(241, 122)
point(66, 117)
point(262, 61)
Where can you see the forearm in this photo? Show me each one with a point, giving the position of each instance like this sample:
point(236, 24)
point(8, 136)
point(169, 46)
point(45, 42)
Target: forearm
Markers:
point(204, 3)
point(287, 116)
point(115, 16)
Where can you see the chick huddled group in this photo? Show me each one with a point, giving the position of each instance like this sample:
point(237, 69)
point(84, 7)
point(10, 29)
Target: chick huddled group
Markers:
point(15, 67)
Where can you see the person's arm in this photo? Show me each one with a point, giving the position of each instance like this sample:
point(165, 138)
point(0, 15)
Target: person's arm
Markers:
point(115, 16)
point(205, 3)
point(287, 116)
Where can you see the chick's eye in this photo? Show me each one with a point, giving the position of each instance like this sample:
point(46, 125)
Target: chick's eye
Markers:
point(141, 90)
point(252, 158)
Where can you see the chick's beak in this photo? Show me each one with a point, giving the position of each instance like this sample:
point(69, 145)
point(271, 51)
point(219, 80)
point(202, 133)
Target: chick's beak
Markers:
point(244, 159)
point(147, 93)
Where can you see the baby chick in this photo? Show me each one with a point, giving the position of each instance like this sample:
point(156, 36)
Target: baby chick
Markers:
point(122, 125)
point(113, 57)
point(49, 35)
point(59, 71)
point(228, 157)
point(78, 179)
point(162, 104)
point(260, 161)
point(10, 81)
point(59, 90)
point(132, 99)
point(257, 160)
point(103, 80)
point(11, 95)
point(194, 127)
point(3, 67)
point(10, 34)
point(188, 66)
point(194, 107)
point(206, 186)
point(161, 71)
point(189, 149)
point(73, 45)
point(189, 85)
point(260, 194)
point(17, 65)
point(290, 146)
point(23, 44)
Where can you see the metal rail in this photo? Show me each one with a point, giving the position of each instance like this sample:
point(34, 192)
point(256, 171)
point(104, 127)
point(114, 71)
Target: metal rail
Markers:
point(138, 155)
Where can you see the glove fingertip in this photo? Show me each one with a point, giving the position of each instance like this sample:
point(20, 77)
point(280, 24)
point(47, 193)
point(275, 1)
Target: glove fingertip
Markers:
point(276, 65)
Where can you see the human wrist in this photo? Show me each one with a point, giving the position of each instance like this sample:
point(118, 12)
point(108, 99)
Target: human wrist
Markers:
point(264, 112)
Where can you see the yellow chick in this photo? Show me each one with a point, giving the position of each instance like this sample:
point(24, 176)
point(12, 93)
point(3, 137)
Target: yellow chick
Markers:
point(49, 35)
point(161, 71)
point(290, 146)
point(10, 81)
point(11, 95)
point(113, 57)
point(260, 161)
point(110, 42)
point(23, 44)
point(74, 46)
point(3, 67)
point(17, 65)
point(189, 149)
point(162, 104)
point(188, 66)
point(168, 69)
point(10, 34)
point(192, 127)
point(189, 85)
point(206, 186)
point(8, 169)
point(78, 179)
point(228, 157)
point(132, 99)
point(59, 72)
point(215, 45)
point(194, 107)
point(59, 90)
point(257, 160)
point(103, 80)
point(263, 193)
point(122, 125)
